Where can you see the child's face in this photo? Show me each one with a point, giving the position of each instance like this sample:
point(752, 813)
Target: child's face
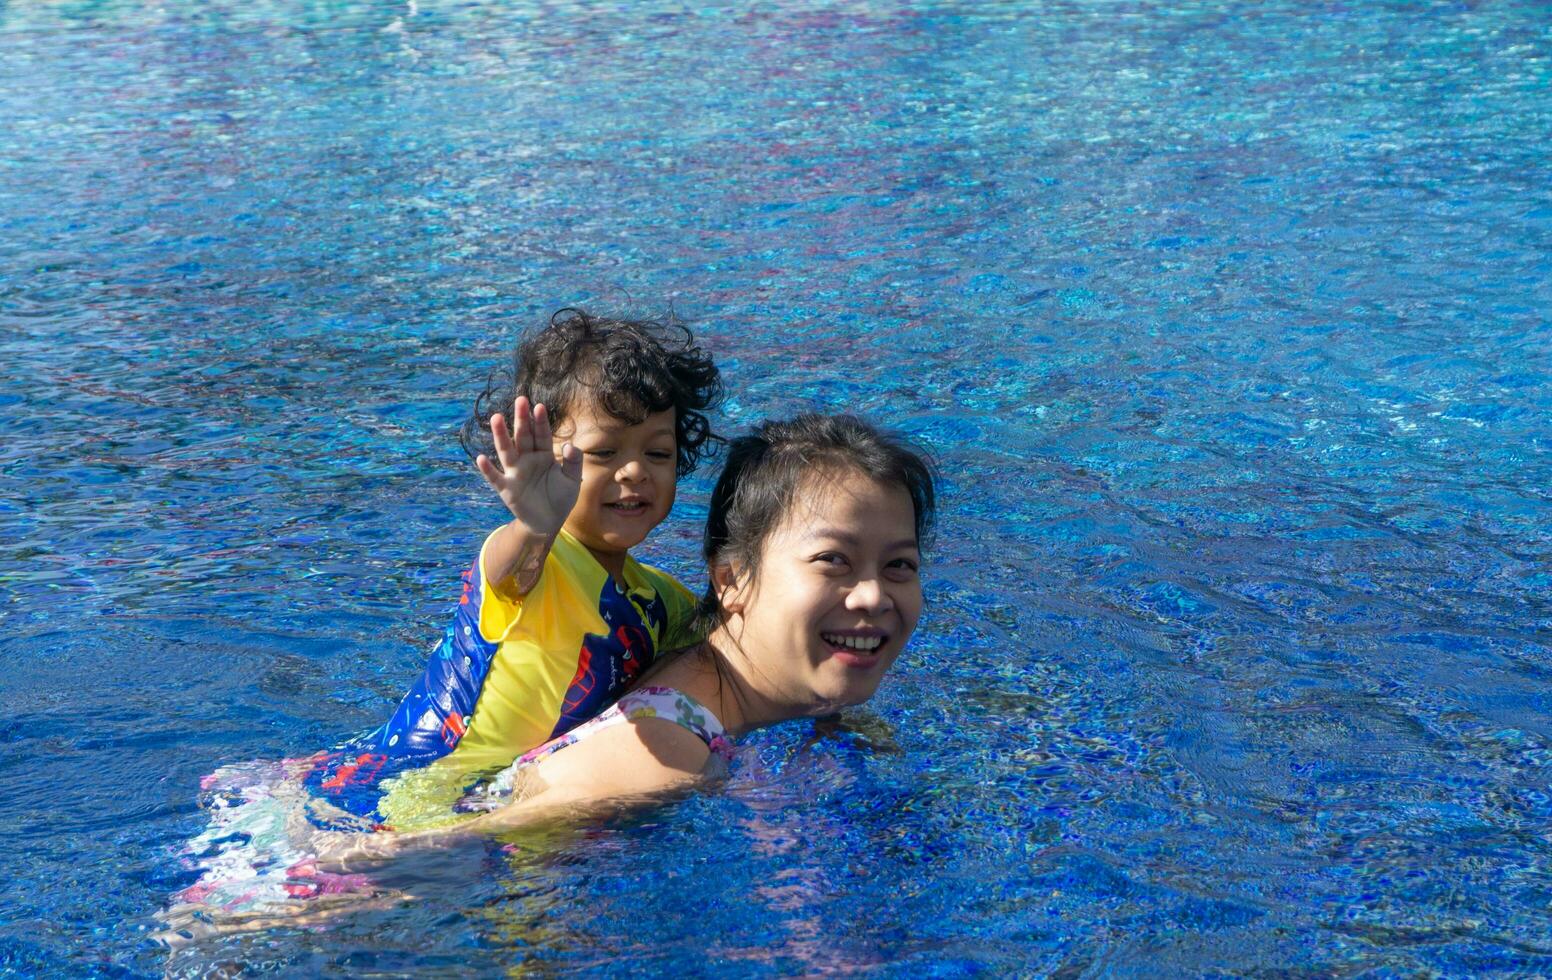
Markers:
point(837, 595)
point(628, 479)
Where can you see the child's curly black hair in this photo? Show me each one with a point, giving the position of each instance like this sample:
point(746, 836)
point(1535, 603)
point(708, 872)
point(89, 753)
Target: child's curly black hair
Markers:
point(629, 368)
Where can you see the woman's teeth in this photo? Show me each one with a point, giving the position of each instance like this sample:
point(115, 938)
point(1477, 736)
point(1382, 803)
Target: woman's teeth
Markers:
point(867, 644)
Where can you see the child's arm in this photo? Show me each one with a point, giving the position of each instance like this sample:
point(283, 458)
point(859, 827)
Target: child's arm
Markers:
point(538, 487)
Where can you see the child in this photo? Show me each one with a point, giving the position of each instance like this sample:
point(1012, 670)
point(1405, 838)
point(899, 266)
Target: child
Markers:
point(556, 618)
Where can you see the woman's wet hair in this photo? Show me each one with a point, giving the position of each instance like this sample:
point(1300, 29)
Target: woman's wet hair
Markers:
point(767, 469)
point(627, 368)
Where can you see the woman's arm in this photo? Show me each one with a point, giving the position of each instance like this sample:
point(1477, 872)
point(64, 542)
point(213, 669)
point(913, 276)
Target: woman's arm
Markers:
point(631, 764)
point(620, 766)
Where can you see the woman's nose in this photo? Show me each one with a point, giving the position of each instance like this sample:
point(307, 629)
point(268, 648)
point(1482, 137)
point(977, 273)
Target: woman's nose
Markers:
point(869, 596)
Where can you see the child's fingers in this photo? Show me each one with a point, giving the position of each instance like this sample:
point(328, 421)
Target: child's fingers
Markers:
point(542, 436)
point(488, 471)
point(522, 425)
point(571, 462)
point(505, 450)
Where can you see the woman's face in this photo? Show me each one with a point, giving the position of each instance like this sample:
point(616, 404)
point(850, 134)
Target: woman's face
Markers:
point(837, 594)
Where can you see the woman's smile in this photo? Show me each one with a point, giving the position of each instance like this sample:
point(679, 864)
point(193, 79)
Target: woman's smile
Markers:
point(861, 649)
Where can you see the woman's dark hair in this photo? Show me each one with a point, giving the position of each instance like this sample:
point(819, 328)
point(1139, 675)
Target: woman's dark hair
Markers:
point(766, 470)
point(629, 368)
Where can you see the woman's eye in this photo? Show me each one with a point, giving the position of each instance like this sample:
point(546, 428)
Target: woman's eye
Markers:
point(830, 558)
point(902, 567)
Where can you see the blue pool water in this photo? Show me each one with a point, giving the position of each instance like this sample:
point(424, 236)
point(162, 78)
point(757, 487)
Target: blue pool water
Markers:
point(1229, 322)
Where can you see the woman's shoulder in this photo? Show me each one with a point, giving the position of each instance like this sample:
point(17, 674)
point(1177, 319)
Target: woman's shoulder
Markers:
point(648, 748)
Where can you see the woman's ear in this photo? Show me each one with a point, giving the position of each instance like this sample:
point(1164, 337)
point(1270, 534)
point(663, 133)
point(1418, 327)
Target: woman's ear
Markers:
point(730, 592)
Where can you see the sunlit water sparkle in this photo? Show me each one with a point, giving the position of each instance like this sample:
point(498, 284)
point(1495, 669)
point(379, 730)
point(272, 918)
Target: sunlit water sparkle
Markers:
point(1227, 321)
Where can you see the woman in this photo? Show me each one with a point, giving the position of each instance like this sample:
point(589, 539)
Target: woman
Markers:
point(813, 545)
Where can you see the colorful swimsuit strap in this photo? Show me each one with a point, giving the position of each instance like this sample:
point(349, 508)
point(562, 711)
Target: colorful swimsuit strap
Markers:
point(644, 702)
point(675, 705)
point(667, 703)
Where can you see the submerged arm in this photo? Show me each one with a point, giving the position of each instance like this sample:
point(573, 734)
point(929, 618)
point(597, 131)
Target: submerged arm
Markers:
point(628, 765)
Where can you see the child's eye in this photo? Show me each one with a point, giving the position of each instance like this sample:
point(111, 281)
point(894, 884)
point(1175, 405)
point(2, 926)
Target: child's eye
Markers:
point(598, 453)
point(660, 455)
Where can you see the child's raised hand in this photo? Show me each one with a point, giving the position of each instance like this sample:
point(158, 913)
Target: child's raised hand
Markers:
point(537, 487)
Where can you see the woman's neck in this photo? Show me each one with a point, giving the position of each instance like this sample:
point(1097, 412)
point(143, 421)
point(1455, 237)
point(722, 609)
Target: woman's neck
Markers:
point(716, 674)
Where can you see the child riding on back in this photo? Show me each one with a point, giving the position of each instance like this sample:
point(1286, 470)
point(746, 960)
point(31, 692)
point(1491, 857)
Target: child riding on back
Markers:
point(813, 549)
point(583, 444)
